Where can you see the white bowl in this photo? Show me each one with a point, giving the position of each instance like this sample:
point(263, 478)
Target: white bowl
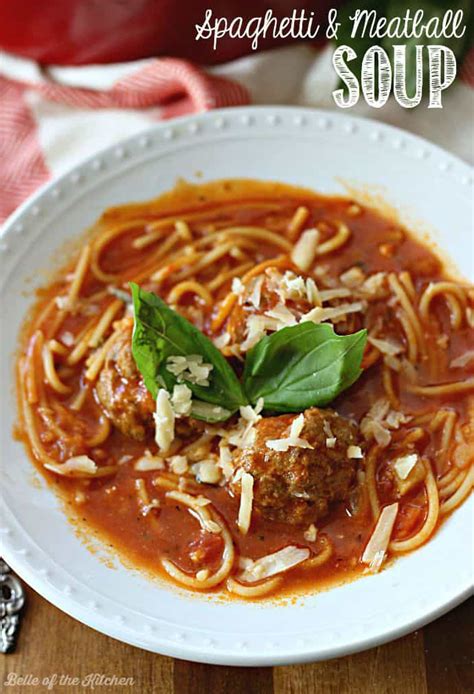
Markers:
point(306, 147)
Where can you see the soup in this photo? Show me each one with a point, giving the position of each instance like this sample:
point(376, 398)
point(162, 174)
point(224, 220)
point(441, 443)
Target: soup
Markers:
point(252, 388)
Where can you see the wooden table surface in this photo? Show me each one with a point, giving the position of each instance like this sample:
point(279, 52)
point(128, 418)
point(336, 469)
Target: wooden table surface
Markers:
point(434, 660)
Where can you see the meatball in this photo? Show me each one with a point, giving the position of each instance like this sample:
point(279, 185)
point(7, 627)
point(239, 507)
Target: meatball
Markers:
point(124, 396)
point(120, 387)
point(298, 485)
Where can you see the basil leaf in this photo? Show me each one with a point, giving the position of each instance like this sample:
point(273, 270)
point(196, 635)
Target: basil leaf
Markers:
point(302, 366)
point(159, 333)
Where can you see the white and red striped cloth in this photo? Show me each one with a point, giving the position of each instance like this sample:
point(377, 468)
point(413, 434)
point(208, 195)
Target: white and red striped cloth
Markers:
point(51, 119)
point(49, 122)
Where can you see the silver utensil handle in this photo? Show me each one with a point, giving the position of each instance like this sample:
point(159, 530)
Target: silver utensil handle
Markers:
point(12, 599)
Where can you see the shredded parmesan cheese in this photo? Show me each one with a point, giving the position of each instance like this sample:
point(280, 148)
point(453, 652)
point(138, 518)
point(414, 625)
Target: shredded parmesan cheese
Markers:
point(380, 433)
point(255, 295)
point(149, 462)
point(294, 287)
point(291, 286)
point(304, 251)
point(246, 502)
point(379, 420)
point(394, 418)
point(354, 452)
point(293, 439)
point(379, 409)
point(336, 293)
point(181, 400)
point(243, 435)
point(353, 277)
point(297, 426)
point(375, 285)
point(225, 462)
point(257, 327)
point(189, 368)
point(404, 465)
point(312, 292)
point(164, 420)
point(335, 314)
point(237, 286)
point(178, 464)
point(252, 414)
point(222, 340)
point(376, 548)
point(207, 472)
point(282, 445)
point(238, 475)
point(272, 564)
point(282, 315)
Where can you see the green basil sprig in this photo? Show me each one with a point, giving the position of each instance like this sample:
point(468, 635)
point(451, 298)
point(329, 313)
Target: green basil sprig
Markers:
point(302, 366)
point(159, 333)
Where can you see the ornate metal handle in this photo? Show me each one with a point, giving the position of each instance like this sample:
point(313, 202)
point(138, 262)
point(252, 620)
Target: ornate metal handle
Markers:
point(12, 599)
